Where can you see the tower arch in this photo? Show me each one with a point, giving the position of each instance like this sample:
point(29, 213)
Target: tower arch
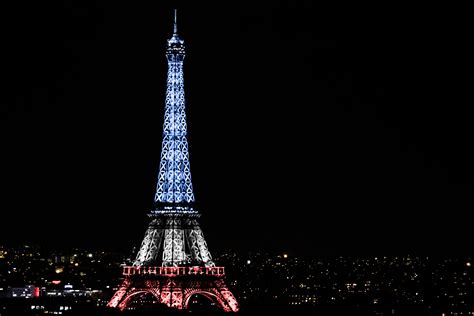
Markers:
point(137, 293)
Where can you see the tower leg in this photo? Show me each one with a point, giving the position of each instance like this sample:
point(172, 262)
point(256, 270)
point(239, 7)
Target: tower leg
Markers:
point(118, 296)
point(177, 299)
point(231, 302)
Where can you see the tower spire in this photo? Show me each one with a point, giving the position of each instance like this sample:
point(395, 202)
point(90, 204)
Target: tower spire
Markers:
point(175, 30)
point(174, 178)
point(175, 37)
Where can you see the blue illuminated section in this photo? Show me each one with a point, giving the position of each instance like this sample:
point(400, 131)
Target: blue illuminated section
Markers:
point(174, 178)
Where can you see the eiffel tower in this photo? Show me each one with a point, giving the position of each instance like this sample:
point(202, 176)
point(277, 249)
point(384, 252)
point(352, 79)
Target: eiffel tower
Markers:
point(173, 262)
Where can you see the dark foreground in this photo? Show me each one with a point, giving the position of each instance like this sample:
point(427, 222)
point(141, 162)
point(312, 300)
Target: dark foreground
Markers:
point(19, 309)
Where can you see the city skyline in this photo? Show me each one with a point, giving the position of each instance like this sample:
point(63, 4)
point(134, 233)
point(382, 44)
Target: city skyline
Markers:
point(384, 285)
point(281, 122)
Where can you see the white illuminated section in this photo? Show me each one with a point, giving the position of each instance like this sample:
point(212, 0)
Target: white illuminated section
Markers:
point(174, 177)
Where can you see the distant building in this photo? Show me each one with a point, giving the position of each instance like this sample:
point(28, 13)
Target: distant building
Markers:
point(303, 299)
point(28, 291)
point(69, 291)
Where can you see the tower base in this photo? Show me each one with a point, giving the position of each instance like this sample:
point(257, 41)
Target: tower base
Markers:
point(174, 286)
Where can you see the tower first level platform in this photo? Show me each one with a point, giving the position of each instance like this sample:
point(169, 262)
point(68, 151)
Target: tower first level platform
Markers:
point(174, 286)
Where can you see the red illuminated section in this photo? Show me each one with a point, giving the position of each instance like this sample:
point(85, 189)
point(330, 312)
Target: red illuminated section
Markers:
point(173, 271)
point(36, 292)
point(171, 294)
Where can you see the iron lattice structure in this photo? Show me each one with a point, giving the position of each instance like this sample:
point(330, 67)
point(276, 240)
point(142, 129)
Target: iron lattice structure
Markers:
point(173, 262)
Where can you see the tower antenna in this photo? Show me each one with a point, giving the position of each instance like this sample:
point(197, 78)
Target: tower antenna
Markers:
point(175, 31)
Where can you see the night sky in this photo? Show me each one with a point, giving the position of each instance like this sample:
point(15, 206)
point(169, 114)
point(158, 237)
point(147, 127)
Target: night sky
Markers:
point(312, 130)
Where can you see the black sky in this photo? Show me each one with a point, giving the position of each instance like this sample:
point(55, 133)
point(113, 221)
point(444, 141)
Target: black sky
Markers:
point(313, 130)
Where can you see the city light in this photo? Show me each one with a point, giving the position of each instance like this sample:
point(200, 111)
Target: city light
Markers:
point(301, 282)
point(285, 255)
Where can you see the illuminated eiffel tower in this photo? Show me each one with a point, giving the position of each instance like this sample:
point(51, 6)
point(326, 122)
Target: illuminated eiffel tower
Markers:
point(173, 262)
